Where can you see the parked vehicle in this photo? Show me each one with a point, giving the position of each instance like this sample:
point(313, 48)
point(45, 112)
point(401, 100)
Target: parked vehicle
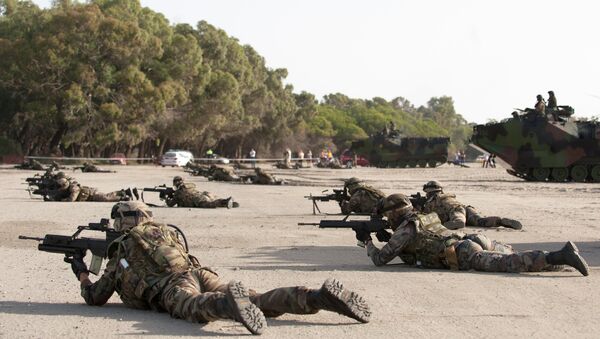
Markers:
point(347, 158)
point(117, 159)
point(176, 158)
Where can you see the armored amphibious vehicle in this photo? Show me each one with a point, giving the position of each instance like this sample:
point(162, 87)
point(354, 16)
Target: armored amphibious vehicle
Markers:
point(552, 147)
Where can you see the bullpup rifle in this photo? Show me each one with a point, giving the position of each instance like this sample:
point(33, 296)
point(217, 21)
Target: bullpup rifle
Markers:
point(374, 224)
point(74, 245)
point(164, 192)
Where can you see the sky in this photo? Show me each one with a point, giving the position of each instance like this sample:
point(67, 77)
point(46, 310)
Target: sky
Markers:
point(489, 56)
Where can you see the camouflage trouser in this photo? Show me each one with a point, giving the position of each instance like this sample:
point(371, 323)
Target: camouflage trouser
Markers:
point(206, 200)
point(472, 255)
point(198, 296)
point(112, 196)
point(473, 217)
point(488, 244)
point(461, 216)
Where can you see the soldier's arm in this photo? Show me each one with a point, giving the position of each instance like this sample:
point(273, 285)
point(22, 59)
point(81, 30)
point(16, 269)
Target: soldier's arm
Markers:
point(98, 293)
point(73, 193)
point(399, 240)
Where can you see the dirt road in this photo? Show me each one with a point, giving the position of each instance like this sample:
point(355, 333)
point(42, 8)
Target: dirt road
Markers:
point(261, 244)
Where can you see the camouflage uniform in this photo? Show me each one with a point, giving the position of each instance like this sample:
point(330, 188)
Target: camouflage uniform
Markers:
point(150, 268)
point(363, 199)
point(264, 178)
point(455, 215)
point(89, 167)
point(422, 240)
point(452, 213)
point(223, 174)
point(552, 100)
point(31, 164)
point(76, 192)
point(186, 195)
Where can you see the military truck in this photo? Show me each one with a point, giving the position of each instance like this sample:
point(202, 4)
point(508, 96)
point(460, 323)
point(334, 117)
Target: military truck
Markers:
point(550, 147)
point(394, 150)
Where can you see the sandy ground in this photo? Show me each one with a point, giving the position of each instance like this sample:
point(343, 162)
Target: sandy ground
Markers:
point(261, 244)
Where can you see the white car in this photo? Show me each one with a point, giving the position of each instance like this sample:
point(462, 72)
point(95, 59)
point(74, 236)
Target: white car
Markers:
point(176, 158)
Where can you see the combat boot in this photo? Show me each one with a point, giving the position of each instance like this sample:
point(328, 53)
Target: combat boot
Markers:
point(136, 193)
point(226, 203)
point(488, 222)
point(333, 297)
point(568, 255)
point(510, 223)
point(237, 306)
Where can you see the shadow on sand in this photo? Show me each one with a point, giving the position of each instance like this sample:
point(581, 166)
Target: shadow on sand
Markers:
point(348, 258)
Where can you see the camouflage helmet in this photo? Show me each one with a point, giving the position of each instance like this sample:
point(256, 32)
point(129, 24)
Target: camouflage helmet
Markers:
point(352, 181)
point(128, 214)
point(432, 186)
point(352, 185)
point(394, 206)
point(177, 180)
point(551, 92)
point(62, 183)
point(61, 175)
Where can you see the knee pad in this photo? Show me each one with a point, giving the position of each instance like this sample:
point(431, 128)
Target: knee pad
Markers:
point(480, 239)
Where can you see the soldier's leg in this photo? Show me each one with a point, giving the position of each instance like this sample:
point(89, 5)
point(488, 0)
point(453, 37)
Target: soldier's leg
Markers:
point(456, 218)
point(476, 219)
point(216, 203)
point(300, 300)
point(527, 261)
point(112, 196)
point(489, 245)
point(185, 298)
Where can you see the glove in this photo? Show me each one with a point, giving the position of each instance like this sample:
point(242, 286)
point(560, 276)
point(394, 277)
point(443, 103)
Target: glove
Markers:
point(77, 265)
point(383, 235)
point(362, 235)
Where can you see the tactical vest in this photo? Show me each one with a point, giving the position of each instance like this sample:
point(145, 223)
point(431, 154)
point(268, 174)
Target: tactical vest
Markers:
point(148, 254)
point(430, 243)
point(84, 193)
point(374, 193)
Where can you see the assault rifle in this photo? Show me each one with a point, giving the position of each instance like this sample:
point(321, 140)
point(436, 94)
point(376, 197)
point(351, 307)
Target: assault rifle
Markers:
point(338, 195)
point(74, 245)
point(418, 201)
point(196, 170)
point(374, 224)
point(164, 192)
point(45, 192)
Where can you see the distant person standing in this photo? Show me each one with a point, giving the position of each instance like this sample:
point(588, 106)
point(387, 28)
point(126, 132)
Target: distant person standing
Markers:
point(552, 107)
point(309, 157)
point(287, 157)
point(492, 160)
point(252, 156)
point(540, 105)
point(552, 100)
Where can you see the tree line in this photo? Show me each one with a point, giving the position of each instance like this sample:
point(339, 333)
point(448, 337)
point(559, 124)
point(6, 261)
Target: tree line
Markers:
point(108, 76)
